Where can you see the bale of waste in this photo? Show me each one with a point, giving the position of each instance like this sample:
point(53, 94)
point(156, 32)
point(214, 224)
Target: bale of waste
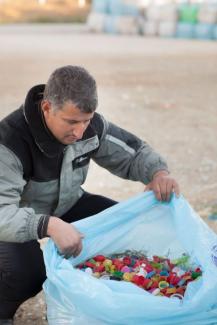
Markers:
point(110, 25)
point(115, 7)
point(185, 30)
point(153, 13)
point(130, 8)
point(214, 34)
point(207, 14)
point(100, 6)
point(204, 31)
point(96, 22)
point(188, 13)
point(167, 28)
point(168, 13)
point(127, 25)
point(123, 7)
point(151, 28)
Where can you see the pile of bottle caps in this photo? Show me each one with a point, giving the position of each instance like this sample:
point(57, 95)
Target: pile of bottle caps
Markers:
point(159, 276)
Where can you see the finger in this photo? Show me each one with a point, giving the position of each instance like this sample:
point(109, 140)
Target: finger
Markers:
point(60, 252)
point(68, 252)
point(176, 189)
point(77, 249)
point(163, 189)
point(157, 192)
point(67, 256)
point(169, 189)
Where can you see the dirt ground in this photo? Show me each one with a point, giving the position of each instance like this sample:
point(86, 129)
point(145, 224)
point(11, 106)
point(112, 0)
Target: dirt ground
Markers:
point(162, 90)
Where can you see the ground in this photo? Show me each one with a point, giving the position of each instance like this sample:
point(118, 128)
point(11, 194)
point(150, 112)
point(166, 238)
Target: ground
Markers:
point(160, 89)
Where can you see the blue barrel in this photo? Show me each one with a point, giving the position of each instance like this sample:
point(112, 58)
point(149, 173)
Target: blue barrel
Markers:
point(203, 31)
point(214, 34)
point(101, 6)
point(110, 25)
point(185, 30)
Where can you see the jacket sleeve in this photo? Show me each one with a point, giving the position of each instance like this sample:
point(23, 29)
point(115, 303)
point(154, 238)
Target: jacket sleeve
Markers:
point(16, 224)
point(127, 156)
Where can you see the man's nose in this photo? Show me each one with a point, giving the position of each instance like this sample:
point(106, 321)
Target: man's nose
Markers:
point(79, 130)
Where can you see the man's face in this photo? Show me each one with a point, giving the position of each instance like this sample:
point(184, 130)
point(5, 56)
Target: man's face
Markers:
point(67, 124)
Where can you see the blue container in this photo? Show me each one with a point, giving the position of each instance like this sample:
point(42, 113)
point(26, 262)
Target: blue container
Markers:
point(203, 31)
point(185, 30)
point(214, 34)
point(110, 25)
point(101, 6)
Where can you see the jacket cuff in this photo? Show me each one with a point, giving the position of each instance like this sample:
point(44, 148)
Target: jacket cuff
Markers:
point(157, 169)
point(42, 226)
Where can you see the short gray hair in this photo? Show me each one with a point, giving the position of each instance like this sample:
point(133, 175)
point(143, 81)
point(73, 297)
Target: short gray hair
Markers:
point(72, 83)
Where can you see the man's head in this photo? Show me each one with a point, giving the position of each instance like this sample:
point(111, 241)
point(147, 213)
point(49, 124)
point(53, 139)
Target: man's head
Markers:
point(70, 100)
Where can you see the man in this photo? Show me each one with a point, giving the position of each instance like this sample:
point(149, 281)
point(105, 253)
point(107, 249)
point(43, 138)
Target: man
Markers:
point(45, 149)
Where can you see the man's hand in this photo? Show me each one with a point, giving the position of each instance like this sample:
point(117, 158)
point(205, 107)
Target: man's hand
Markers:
point(65, 236)
point(163, 185)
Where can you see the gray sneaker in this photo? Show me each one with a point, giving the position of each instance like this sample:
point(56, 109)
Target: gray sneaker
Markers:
point(6, 321)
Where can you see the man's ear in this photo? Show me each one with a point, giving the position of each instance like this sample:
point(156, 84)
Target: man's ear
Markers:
point(45, 107)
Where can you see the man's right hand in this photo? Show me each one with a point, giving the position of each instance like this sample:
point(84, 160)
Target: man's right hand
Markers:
point(65, 236)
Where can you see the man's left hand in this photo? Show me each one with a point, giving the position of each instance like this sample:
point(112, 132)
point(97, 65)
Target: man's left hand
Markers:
point(163, 185)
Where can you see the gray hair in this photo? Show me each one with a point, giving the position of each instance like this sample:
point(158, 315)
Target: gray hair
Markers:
point(72, 83)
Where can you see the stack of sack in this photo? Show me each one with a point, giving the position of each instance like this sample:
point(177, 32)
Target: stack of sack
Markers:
point(160, 20)
point(171, 20)
point(114, 16)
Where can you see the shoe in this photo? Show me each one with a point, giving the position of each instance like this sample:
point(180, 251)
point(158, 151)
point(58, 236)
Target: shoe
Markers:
point(8, 321)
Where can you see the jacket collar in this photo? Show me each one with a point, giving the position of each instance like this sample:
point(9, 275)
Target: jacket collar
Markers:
point(44, 139)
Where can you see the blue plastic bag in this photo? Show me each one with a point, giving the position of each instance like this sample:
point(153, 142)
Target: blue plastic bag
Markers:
point(141, 223)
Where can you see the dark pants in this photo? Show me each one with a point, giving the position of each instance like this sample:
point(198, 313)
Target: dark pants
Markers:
point(22, 269)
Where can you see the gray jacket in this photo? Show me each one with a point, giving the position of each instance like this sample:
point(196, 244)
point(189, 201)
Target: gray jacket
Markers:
point(40, 176)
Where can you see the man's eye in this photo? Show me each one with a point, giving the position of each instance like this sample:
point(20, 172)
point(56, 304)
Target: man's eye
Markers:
point(71, 122)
